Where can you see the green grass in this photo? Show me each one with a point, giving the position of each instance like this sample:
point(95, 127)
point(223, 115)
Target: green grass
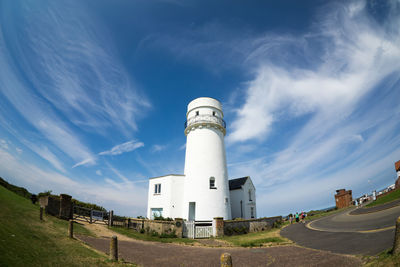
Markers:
point(384, 259)
point(27, 241)
point(325, 213)
point(146, 237)
point(269, 237)
point(385, 199)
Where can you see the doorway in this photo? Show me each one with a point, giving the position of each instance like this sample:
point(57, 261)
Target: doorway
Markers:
point(192, 211)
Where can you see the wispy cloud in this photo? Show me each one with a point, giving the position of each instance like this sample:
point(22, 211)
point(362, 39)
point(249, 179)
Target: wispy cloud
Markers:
point(342, 127)
point(3, 144)
point(49, 77)
point(123, 148)
point(124, 198)
point(158, 148)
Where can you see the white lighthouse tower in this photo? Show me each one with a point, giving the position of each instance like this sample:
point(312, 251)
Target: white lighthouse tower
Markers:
point(206, 189)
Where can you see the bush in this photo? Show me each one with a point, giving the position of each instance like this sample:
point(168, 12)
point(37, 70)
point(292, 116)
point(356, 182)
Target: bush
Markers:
point(161, 218)
point(16, 189)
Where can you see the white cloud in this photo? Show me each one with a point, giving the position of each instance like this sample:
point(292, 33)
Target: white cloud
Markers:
point(88, 161)
point(158, 148)
point(19, 150)
point(99, 173)
point(341, 131)
point(3, 144)
point(124, 198)
point(123, 148)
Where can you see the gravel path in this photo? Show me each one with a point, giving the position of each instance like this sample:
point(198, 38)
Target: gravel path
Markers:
point(161, 254)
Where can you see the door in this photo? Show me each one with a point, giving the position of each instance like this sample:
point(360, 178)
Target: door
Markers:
point(192, 211)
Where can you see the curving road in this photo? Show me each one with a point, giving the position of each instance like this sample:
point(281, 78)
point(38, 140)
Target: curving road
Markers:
point(348, 232)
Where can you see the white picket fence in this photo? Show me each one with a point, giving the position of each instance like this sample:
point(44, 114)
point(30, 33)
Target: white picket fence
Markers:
point(193, 229)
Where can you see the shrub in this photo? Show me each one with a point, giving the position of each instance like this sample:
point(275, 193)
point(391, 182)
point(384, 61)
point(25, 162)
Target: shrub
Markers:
point(161, 218)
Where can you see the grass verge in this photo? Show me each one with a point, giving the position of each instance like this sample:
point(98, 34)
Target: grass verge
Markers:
point(323, 214)
point(384, 259)
point(265, 238)
point(385, 199)
point(148, 237)
point(27, 241)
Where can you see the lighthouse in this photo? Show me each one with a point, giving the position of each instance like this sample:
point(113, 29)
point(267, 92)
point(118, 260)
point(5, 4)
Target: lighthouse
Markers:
point(206, 193)
point(203, 192)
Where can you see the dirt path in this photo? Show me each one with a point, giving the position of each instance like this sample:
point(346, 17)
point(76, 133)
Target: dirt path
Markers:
point(101, 230)
point(161, 254)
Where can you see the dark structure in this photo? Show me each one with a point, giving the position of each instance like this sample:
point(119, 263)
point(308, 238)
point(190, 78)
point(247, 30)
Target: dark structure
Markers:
point(343, 198)
point(397, 167)
point(60, 206)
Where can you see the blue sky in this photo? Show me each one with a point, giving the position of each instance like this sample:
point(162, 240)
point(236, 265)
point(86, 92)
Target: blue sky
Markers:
point(93, 95)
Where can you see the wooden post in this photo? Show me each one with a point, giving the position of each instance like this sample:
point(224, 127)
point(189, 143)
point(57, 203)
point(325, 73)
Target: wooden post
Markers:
point(110, 218)
point(226, 260)
point(91, 215)
point(41, 213)
point(71, 228)
point(396, 245)
point(114, 248)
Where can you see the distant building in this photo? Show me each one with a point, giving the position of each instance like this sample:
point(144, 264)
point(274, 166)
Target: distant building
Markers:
point(397, 167)
point(343, 198)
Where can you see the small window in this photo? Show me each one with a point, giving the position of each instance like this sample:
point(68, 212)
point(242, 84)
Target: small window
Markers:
point(252, 212)
point(212, 183)
point(157, 189)
point(213, 113)
point(197, 113)
point(250, 195)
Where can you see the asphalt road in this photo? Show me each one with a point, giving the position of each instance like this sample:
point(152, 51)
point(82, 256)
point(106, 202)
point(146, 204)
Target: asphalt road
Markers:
point(364, 234)
point(345, 222)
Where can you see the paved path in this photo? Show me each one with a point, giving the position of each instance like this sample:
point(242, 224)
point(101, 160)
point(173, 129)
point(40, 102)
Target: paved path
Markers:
point(161, 254)
point(345, 222)
point(366, 234)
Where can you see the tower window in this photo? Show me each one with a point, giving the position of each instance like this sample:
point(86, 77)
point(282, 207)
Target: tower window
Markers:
point(212, 183)
point(213, 113)
point(197, 113)
point(157, 189)
point(250, 195)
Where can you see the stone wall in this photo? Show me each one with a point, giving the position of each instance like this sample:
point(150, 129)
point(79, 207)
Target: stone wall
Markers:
point(160, 227)
point(51, 204)
point(232, 227)
point(59, 206)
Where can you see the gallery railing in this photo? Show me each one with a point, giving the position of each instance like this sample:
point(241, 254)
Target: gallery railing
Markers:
point(205, 119)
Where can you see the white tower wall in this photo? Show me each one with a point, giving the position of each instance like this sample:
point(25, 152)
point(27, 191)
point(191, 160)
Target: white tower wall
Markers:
point(205, 158)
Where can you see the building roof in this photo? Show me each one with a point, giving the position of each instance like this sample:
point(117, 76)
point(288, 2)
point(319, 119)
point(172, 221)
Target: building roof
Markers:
point(237, 183)
point(166, 176)
point(397, 165)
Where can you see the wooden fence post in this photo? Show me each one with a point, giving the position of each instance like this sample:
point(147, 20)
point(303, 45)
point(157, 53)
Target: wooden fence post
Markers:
point(41, 213)
point(396, 244)
point(114, 248)
point(226, 260)
point(110, 218)
point(71, 228)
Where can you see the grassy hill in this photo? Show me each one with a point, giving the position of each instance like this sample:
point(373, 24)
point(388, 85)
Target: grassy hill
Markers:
point(395, 194)
point(27, 241)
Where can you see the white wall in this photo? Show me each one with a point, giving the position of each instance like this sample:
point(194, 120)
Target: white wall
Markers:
point(205, 158)
point(171, 196)
point(236, 197)
point(242, 194)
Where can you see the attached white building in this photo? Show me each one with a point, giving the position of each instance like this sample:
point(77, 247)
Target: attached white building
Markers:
point(203, 192)
point(243, 198)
